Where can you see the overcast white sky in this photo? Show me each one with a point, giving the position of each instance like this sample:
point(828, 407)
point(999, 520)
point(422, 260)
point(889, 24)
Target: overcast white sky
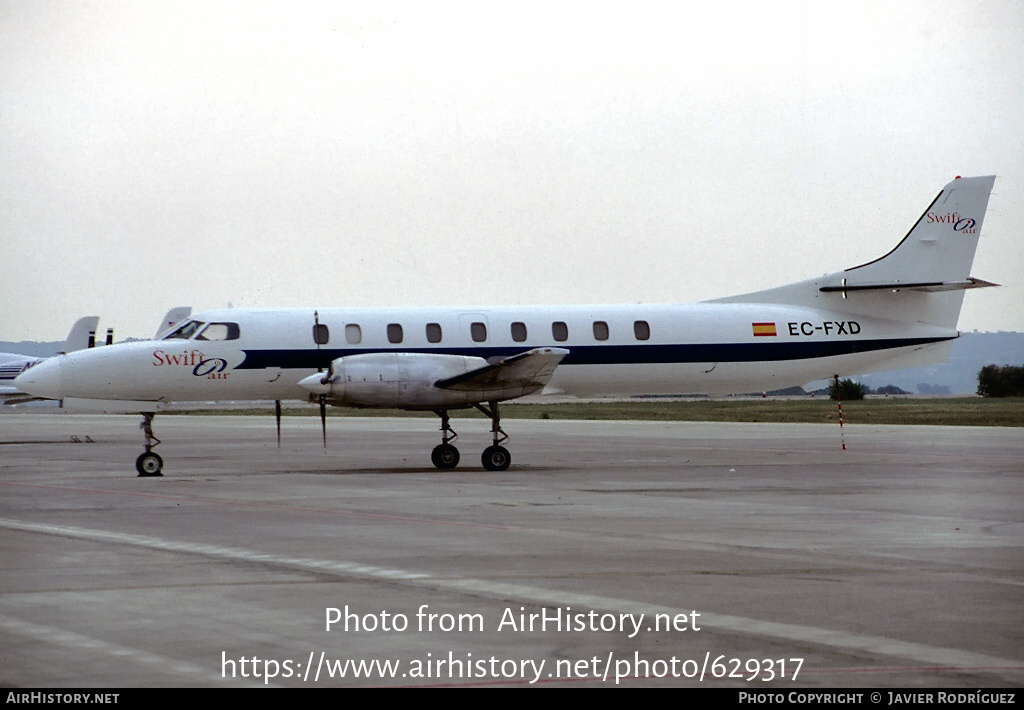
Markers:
point(335, 154)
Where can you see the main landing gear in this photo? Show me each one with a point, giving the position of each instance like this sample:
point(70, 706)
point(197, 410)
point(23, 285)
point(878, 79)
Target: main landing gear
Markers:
point(495, 457)
point(149, 463)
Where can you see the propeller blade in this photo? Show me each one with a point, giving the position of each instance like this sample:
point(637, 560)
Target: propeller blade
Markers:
point(323, 417)
point(277, 415)
point(326, 379)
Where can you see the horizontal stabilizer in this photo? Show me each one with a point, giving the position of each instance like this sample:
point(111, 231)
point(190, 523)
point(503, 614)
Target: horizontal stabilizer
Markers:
point(528, 371)
point(930, 286)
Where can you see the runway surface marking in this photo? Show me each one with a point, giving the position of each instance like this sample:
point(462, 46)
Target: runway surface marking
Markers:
point(838, 640)
point(71, 640)
point(693, 542)
point(255, 504)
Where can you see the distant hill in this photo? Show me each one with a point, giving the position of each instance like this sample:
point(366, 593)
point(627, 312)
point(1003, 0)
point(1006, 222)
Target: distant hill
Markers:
point(969, 353)
point(32, 348)
point(41, 349)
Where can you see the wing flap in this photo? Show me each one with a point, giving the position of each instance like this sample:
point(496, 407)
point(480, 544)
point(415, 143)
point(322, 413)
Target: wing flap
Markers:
point(527, 371)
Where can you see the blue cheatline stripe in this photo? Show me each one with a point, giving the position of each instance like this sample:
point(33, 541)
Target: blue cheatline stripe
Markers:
point(606, 354)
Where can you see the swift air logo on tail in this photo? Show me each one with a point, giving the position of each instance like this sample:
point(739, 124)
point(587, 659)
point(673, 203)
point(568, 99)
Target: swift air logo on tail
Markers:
point(966, 225)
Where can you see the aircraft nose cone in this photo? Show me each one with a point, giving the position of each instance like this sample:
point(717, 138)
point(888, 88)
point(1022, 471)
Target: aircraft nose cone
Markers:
point(43, 380)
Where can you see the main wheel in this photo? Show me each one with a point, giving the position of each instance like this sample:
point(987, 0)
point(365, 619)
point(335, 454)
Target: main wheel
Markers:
point(445, 456)
point(149, 464)
point(496, 458)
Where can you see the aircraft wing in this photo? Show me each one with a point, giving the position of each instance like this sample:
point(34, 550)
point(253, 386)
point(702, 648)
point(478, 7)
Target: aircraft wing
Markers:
point(525, 372)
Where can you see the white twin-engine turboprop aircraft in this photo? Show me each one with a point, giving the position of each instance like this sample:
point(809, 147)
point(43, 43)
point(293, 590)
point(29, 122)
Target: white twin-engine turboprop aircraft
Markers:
point(897, 311)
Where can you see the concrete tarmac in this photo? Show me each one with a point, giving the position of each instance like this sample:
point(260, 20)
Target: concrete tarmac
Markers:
point(638, 554)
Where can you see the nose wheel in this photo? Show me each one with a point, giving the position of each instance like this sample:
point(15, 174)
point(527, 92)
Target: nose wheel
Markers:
point(149, 463)
point(445, 455)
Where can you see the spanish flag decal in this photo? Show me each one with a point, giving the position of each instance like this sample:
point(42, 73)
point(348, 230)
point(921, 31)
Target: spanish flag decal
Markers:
point(764, 328)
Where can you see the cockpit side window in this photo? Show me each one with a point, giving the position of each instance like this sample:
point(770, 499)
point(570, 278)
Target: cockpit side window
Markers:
point(219, 331)
point(185, 331)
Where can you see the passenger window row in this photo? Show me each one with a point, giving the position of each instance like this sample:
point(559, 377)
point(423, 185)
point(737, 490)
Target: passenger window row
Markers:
point(478, 332)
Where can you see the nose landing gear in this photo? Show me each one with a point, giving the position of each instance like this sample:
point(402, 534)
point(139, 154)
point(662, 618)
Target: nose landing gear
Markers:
point(445, 455)
point(149, 463)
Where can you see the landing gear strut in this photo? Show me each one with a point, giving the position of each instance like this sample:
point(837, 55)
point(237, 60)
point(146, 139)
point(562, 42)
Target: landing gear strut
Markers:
point(445, 455)
point(495, 457)
point(149, 463)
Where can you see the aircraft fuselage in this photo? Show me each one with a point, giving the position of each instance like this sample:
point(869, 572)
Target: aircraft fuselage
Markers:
point(709, 348)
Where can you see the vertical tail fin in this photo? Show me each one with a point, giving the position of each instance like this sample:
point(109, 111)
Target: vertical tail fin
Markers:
point(921, 281)
point(940, 247)
point(78, 338)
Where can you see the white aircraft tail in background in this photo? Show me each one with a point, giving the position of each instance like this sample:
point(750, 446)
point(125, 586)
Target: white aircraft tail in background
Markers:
point(172, 318)
point(896, 311)
point(81, 336)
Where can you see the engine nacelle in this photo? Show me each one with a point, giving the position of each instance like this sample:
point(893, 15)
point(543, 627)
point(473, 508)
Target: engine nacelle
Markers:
point(396, 380)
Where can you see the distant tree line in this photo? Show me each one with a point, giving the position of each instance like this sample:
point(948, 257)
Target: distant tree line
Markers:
point(848, 389)
point(1005, 381)
point(889, 389)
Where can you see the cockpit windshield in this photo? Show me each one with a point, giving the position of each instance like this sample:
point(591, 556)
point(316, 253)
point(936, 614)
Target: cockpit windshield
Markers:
point(185, 331)
point(198, 330)
point(219, 331)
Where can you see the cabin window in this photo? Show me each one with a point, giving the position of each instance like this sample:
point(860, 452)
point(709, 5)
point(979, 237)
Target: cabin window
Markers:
point(353, 334)
point(394, 333)
point(433, 332)
point(185, 332)
point(641, 330)
point(559, 331)
point(600, 330)
point(519, 332)
point(478, 331)
point(321, 335)
point(221, 331)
